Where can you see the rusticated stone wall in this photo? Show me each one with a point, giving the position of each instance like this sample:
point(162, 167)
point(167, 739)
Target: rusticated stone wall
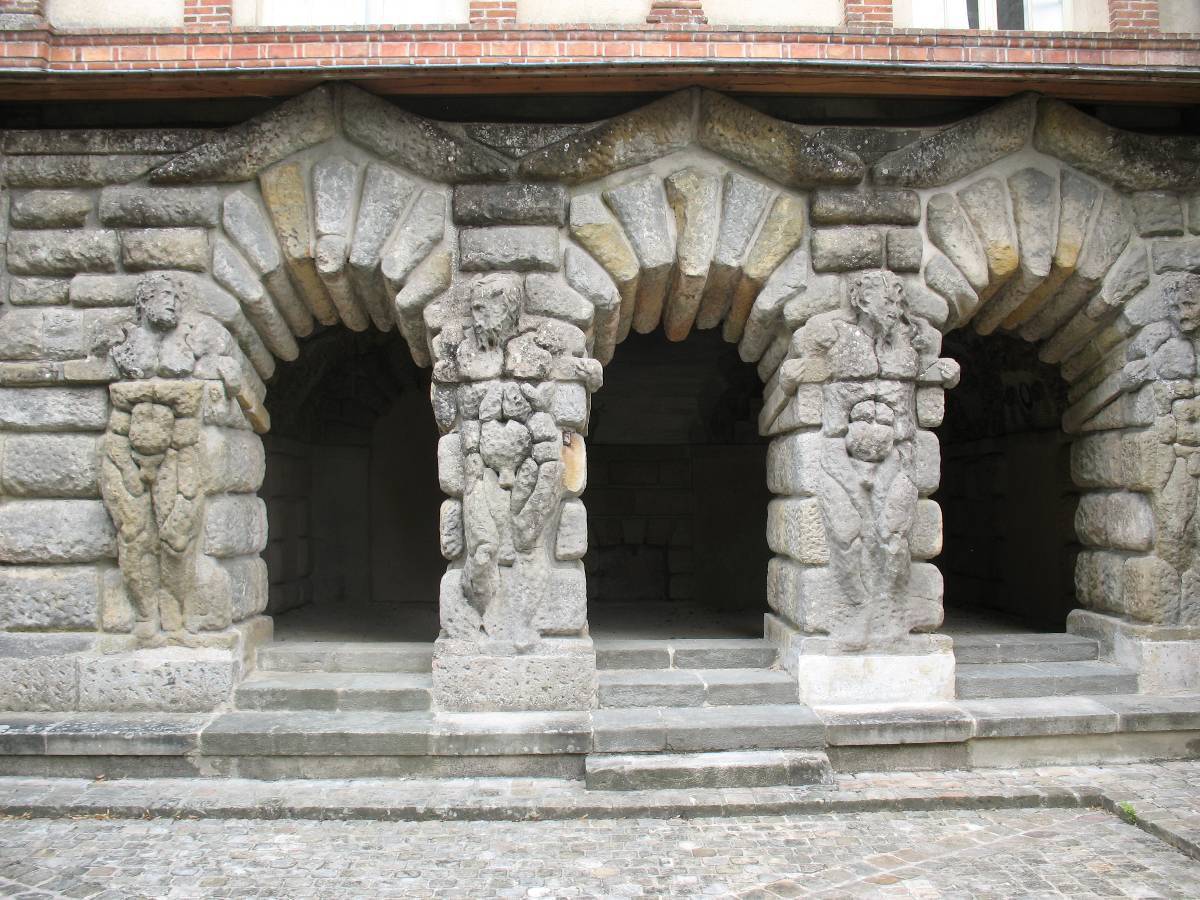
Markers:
point(153, 280)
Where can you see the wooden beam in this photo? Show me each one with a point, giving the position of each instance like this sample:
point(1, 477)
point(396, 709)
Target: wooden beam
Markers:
point(1131, 85)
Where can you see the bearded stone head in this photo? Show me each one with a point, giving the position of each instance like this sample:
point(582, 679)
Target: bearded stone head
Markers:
point(1183, 294)
point(495, 308)
point(872, 431)
point(158, 299)
point(878, 296)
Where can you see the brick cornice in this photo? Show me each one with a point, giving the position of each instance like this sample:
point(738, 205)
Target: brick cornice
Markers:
point(443, 56)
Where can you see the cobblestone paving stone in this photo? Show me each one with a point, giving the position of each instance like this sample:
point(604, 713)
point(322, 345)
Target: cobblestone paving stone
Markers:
point(1004, 853)
point(898, 851)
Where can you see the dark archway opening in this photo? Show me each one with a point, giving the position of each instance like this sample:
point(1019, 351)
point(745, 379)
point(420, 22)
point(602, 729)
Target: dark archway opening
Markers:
point(1007, 498)
point(676, 493)
point(352, 493)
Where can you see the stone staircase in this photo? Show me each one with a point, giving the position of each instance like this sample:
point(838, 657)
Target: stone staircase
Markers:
point(1005, 666)
point(670, 714)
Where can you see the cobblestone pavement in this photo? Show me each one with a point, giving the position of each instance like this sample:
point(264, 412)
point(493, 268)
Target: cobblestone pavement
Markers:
point(1055, 850)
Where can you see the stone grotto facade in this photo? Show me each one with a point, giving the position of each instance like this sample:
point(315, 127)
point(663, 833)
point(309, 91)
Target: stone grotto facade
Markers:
point(155, 283)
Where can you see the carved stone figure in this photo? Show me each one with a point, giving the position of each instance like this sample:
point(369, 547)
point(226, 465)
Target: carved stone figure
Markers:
point(508, 373)
point(152, 473)
point(869, 503)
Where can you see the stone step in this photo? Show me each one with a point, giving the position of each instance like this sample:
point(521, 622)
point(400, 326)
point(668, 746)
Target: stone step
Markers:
point(706, 728)
point(335, 691)
point(1047, 679)
point(345, 656)
point(624, 688)
point(712, 653)
point(731, 769)
point(982, 649)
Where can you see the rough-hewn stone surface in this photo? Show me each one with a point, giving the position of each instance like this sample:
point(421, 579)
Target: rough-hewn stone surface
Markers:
point(415, 144)
point(621, 143)
point(961, 149)
point(510, 204)
point(786, 153)
point(242, 151)
point(1132, 162)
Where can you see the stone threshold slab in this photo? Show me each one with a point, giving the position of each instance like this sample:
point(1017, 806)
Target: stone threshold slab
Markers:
point(288, 733)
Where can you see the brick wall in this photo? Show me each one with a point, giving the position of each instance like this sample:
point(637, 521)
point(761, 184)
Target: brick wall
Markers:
point(679, 12)
point(207, 13)
point(482, 12)
point(869, 12)
point(1133, 15)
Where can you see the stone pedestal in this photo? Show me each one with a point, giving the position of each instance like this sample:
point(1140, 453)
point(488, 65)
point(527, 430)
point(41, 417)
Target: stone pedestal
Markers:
point(498, 676)
point(918, 669)
point(116, 673)
point(1166, 658)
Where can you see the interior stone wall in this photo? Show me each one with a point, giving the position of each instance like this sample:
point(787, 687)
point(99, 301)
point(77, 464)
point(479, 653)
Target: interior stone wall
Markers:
point(676, 478)
point(353, 524)
point(1007, 498)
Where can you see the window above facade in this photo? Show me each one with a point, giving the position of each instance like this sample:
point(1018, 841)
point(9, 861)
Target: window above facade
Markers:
point(358, 12)
point(1005, 15)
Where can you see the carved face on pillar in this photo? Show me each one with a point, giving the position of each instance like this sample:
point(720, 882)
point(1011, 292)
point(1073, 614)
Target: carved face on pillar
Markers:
point(495, 309)
point(878, 298)
point(1184, 296)
point(158, 301)
point(872, 431)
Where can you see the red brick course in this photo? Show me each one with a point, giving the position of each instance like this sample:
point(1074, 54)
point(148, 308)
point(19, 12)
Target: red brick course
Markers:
point(207, 13)
point(492, 11)
point(869, 12)
point(1019, 57)
point(1133, 15)
point(679, 12)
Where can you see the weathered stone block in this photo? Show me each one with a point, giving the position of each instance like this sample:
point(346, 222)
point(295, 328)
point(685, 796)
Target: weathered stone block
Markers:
point(866, 207)
point(961, 149)
point(786, 153)
point(42, 334)
point(38, 684)
point(572, 539)
point(796, 528)
point(1169, 256)
point(1099, 580)
point(1157, 214)
point(172, 679)
point(518, 248)
point(510, 204)
point(235, 525)
point(951, 233)
point(1151, 589)
point(450, 529)
point(50, 465)
point(450, 465)
point(75, 171)
point(62, 252)
point(53, 409)
point(56, 531)
point(235, 460)
point(556, 675)
point(248, 586)
point(50, 209)
point(925, 540)
point(547, 295)
point(931, 406)
point(38, 291)
point(165, 248)
point(794, 464)
point(53, 598)
point(905, 249)
point(103, 290)
point(564, 608)
point(146, 207)
point(1119, 520)
point(846, 249)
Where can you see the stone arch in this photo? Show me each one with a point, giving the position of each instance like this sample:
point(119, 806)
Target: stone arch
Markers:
point(695, 210)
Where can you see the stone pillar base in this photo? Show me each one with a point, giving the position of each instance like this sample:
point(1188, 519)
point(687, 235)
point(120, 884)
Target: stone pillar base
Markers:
point(494, 676)
point(919, 670)
point(1166, 658)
